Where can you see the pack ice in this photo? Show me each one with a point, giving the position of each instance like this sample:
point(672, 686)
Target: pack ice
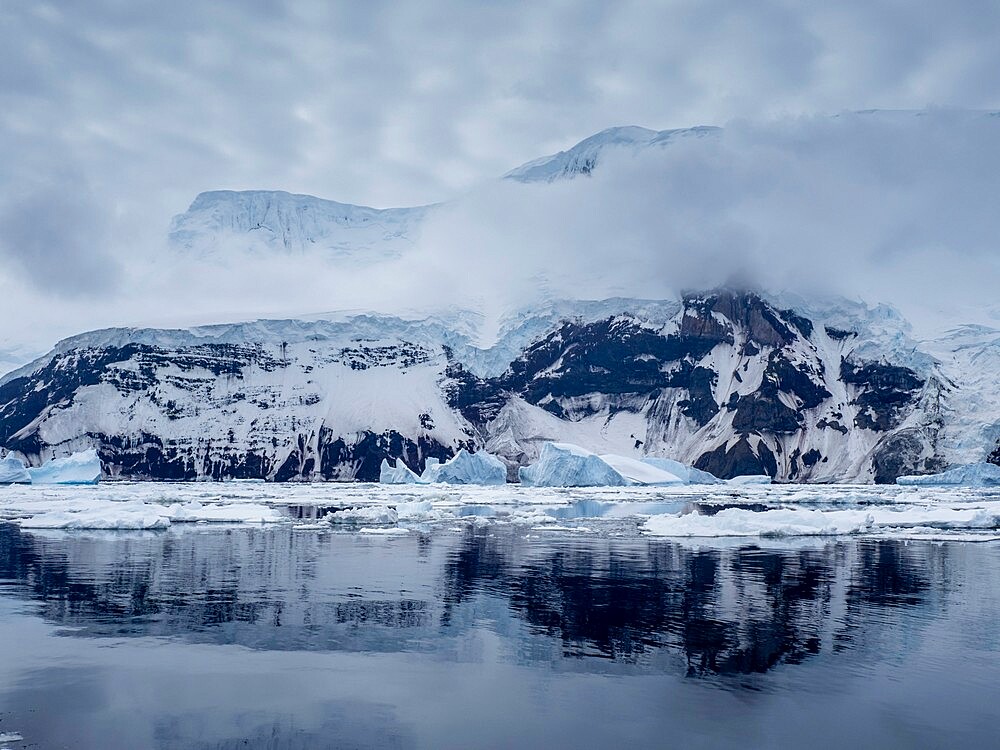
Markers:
point(80, 468)
point(13, 471)
point(970, 475)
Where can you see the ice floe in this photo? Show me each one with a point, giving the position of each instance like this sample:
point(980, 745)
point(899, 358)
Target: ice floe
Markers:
point(781, 522)
point(381, 515)
point(750, 479)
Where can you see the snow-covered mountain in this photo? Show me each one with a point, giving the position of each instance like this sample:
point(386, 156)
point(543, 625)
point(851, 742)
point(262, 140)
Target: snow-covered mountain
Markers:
point(272, 220)
point(726, 380)
point(275, 220)
point(729, 380)
point(584, 157)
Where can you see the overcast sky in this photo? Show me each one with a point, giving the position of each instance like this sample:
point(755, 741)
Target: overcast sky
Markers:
point(114, 114)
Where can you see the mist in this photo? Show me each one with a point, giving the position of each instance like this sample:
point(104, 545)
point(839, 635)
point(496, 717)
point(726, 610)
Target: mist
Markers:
point(894, 207)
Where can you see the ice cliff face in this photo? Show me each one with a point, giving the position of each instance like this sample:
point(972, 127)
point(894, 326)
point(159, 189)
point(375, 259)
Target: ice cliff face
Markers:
point(279, 221)
point(727, 381)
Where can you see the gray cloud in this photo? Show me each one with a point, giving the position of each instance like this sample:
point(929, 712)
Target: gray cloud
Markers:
point(392, 104)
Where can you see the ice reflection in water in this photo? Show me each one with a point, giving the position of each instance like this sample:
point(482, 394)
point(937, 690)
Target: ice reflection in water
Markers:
point(731, 618)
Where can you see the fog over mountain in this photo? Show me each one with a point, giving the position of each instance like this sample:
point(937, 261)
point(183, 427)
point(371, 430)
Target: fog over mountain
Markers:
point(884, 206)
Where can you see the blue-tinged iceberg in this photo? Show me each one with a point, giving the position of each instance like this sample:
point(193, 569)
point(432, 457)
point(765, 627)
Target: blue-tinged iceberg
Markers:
point(687, 474)
point(13, 471)
point(565, 465)
point(398, 474)
point(80, 468)
point(466, 468)
point(969, 475)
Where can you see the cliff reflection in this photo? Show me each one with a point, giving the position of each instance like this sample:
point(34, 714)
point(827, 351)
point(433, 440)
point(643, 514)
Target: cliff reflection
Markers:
point(737, 610)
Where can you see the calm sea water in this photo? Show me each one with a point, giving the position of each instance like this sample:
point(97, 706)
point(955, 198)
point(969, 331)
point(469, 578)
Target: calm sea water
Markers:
point(491, 637)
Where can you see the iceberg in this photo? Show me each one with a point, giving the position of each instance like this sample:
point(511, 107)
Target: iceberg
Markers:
point(969, 475)
point(466, 468)
point(80, 468)
point(641, 472)
point(566, 465)
point(750, 479)
point(687, 474)
point(398, 474)
point(13, 471)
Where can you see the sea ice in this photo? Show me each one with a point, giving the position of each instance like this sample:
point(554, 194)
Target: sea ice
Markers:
point(380, 515)
point(566, 465)
point(135, 515)
point(687, 474)
point(970, 475)
point(780, 522)
point(466, 468)
point(80, 468)
point(641, 472)
point(398, 474)
point(13, 471)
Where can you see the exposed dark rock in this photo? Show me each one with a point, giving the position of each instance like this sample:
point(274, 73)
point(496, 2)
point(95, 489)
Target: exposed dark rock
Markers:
point(903, 453)
point(762, 412)
point(740, 460)
point(362, 460)
point(838, 334)
point(477, 399)
point(994, 457)
point(884, 392)
point(831, 424)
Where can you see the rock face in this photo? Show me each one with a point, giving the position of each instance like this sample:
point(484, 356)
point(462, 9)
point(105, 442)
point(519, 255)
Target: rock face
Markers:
point(726, 381)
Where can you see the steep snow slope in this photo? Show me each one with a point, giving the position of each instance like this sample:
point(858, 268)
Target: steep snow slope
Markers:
point(275, 220)
point(584, 157)
point(723, 380)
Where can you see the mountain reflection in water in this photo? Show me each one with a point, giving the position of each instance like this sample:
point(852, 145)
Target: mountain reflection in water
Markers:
point(735, 610)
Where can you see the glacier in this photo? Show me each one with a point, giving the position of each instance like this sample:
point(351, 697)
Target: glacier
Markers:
point(565, 465)
point(80, 468)
point(13, 471)
point(466, 468)
point(970, 475)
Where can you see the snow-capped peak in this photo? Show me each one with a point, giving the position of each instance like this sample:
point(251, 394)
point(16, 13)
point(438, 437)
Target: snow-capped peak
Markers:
point(584, 156)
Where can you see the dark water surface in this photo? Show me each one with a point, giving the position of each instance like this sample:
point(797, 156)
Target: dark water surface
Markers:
point(488, 637)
